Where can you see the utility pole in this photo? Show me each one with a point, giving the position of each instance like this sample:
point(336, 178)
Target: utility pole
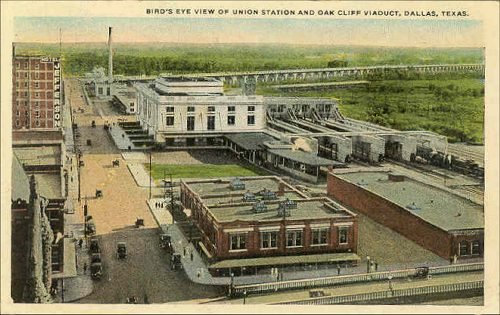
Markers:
point(150, 174)
point(79, 156)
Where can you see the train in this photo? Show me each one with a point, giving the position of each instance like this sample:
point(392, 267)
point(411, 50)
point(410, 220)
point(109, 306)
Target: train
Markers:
point(426, 155)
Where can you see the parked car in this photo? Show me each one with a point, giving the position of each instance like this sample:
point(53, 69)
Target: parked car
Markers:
point(96, 270)
point(94, 246)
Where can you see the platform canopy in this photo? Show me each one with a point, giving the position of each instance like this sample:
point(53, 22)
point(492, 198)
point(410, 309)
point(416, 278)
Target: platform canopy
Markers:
point(285, 260)
point(250, 140)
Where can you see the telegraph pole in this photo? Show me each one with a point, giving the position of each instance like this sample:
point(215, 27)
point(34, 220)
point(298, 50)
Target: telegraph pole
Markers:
point(150, 175)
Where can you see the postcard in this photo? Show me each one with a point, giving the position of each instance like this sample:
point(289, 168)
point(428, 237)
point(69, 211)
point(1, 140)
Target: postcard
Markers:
point(250, 156)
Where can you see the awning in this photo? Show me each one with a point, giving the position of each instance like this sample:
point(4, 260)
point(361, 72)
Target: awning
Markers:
point(250, 140)
point(304, 157)
point(284, 260)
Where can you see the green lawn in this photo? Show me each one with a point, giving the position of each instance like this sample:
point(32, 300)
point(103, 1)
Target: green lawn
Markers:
point(203, 170)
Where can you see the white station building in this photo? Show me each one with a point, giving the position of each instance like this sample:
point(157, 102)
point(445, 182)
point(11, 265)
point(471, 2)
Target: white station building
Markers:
point(178, 110)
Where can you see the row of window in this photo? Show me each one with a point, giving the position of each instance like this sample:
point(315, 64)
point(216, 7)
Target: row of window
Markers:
point(210, 109)
point(37, 75)
point(25, 66)
point(18, 124)
point(294, 238)
point(36, 85)
point(466, 248)
point(231, 121)
point(37, 94)
point(36, 113)
point(35, 103)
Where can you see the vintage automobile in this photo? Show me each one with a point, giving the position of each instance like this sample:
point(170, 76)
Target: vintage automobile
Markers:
point(121, 250)
point(116, 162)
point(95, 258)
point(422, 273)
point(96, 270)
point(139, 222)
point(94, 246)
point(98, 193)
point(165, 242)
point(93, 123)
point(175, 261)
point(90, 228)
point(132, 300)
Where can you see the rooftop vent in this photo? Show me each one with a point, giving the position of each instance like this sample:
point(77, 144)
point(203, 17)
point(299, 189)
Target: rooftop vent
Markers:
point(259, 207)
point(413, 207)
point(237, 184)
point(285, 206)
point(362, 182)
point(266, 194)
point(249, 197)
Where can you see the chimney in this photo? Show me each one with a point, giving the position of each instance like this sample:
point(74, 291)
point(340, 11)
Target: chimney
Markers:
point(110, 60)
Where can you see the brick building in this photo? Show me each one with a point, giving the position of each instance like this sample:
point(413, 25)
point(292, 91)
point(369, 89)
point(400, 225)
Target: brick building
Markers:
point(434, 218)
point(251, 224)
point(36, 92)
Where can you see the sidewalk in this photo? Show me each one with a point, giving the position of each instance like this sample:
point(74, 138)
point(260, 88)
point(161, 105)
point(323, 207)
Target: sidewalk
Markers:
point(120, 138)
point(140, 175)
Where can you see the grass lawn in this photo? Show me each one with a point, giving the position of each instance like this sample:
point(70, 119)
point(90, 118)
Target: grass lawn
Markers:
point(203, 170)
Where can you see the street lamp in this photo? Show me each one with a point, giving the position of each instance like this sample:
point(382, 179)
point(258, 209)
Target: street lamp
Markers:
point(231, 285)
point(244, 296)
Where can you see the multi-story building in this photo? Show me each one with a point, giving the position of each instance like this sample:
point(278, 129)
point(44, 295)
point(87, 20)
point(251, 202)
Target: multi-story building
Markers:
point(191, 111)
point(447, 224)
point(36, 92)
point(255, 223)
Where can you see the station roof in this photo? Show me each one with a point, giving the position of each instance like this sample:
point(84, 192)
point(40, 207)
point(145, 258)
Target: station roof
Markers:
point(306, 85)
point(250, 141)
point(304, 157)
point(284, 260)
point(438, 207)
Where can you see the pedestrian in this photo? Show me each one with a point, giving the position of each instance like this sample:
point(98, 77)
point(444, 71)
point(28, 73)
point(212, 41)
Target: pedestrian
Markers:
point(146, 300)
point(376, 266)
point(455, 259)
point(338, 270)
point(191, 253)
point(198, 273)
point(80, 243)
point(184, 251)
point(85, 268)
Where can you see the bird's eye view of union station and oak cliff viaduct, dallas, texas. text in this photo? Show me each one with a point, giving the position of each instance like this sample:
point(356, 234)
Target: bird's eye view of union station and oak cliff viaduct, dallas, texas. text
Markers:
point(246, 173)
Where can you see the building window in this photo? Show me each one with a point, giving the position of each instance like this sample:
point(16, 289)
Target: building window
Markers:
point(211, 109)
point(231, 109)
point(319, 236)
point(37, 66)
point(18, 65)
point(231, 120)
point(343, 232)
point(251, 108)
point(37, 85)
point(211, 122)
point(17, 122)
point(49, 95)
point(475, 248)
point(169, 121)
point(169, 109)
point(26, 75)
point(237, 241)
point(37, 95)
point(26, 94)
point(17, 75)
point(49, 76)
point(99, 91)
point(294, 238)
point(26, 103)
point(190, 109)
point(268, 239)
point(37, 75)
point(37, 103)
point(37, 122)
point(37, 113)
point(25, 85)
point(25, 65)
point(250, 120)
point(463, 248)
point(17, 103)
point(17, 84)
point(18, 113)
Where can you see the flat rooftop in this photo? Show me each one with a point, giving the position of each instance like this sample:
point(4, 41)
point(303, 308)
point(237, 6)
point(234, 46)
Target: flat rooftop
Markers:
point(438, 207)
point(49, 185)
point(39, 155)
point(307, 209)
point(227, 205)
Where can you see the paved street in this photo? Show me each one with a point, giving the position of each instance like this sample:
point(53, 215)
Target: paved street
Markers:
point(145, 274)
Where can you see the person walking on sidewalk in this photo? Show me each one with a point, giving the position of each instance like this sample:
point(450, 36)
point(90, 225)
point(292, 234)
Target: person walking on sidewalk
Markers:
point(85, 268)
point(80, 243)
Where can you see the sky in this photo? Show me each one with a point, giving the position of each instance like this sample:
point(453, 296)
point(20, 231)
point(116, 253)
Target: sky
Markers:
point(377, 32)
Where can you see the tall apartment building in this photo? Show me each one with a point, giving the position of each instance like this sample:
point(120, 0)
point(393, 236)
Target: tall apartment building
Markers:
point(36, 92)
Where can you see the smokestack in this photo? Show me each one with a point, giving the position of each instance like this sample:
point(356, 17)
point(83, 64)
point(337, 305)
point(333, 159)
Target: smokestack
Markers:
point(110, 60)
